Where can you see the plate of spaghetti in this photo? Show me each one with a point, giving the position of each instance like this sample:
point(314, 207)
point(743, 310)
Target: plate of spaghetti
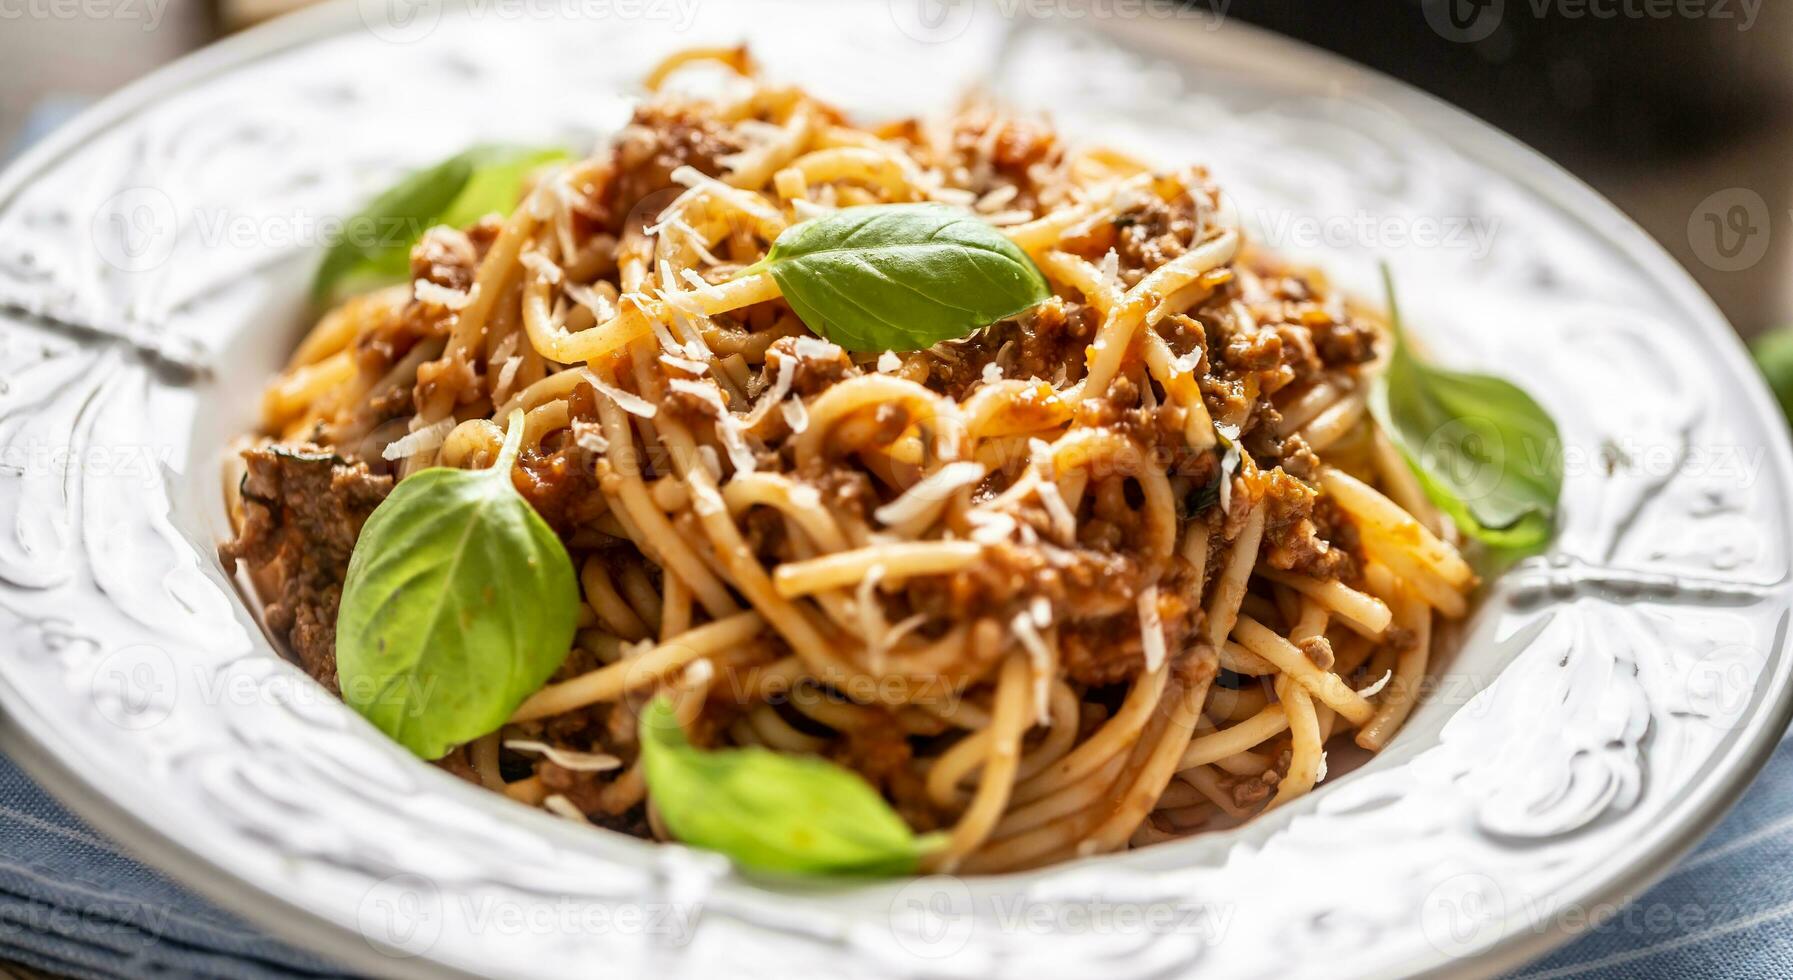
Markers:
point(1082, 536)
point(966, 529)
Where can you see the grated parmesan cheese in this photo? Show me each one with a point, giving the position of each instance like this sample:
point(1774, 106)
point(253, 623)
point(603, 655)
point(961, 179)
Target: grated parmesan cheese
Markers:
point(560, 806)
point(955, 196)
point(1039, 656)
point(695, 347)
point(728, 427)
point(1064, 523)
point(706, 456)
point(540, 264)
point(806, 209)
point(990, 527)
point(698, 673)
point(567, 758)
point(1151, 628)
point(929, 494)
point(589, 436)
point(439, 295)
point(796, 415)
point(1111, 269)
point(1376, 688)
point(775, 395)
point(1003, 219)
point(506, 375)
point(505, 348)
point(994, 200)
point(706, 501)
point(685, 364)
point(872, 624)
point(419, 441)
point(816, 347)
point(889, 363)
point(601, 309)
point(632, 403)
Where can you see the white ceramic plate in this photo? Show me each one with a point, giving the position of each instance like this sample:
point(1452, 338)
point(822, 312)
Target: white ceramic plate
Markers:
point(1603, 706)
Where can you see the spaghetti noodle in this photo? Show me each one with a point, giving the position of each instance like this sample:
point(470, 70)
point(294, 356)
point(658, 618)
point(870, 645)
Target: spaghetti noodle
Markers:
point(1105, 573)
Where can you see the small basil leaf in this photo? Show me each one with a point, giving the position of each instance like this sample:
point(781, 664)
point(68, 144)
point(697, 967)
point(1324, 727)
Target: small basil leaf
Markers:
point(1484, 451)
point(901, 277)
point(375, 246)
point(1774, 355)
point(460, 602)
point(1219, 489)
point(772, 812)
point(496, 182)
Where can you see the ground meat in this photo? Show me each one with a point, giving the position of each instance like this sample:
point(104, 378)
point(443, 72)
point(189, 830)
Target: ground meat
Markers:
point(459, 763)
point(1292, 539)
point(1318, 650)
point(1252, 350)
point(447, 381)
point(881, 753)
point(1344, 344)
point(1158, 432)
point(1080, 582)
point(1111, 650)
point(446, 257)
point(1153, 233)
point(1250, 791)
point(765, 533)
point(688, 406)
point(1021, 144)
point(844, 491)
point(818, 365)
point(562, 486)
point(302, 511)
point(1011, 156)
point(657, 141)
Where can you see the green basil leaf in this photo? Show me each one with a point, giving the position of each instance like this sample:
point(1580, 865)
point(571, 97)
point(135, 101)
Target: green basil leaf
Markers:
point(1774, 355)
point(1218, 490)
point(460, 602)
point(375, 246)
point(1485, 452)
point(901, 277)
point(772, 812)
point(496, 182)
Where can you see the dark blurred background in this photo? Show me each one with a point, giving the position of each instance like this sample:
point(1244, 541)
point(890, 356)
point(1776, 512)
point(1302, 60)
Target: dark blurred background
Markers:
point(1668, 107)
point(1675, 110)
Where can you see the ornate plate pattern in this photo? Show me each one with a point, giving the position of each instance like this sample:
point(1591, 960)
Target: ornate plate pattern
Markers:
point(1603, 706)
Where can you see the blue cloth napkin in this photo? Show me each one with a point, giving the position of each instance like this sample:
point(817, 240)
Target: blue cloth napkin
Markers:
point(1725, 911)
point(72, 903)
